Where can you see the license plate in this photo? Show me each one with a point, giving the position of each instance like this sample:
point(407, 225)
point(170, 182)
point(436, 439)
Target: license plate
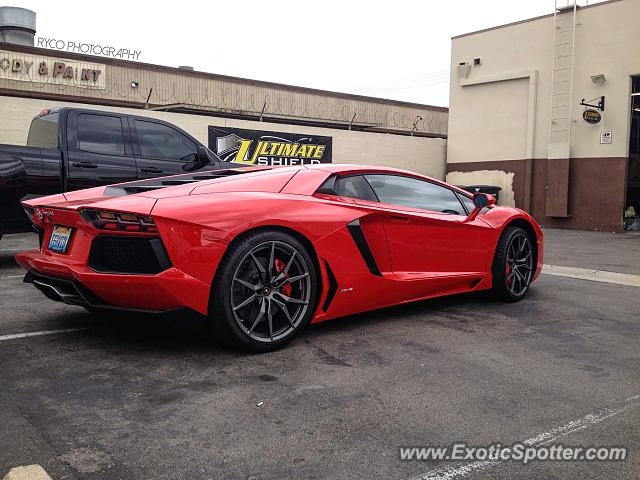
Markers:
point(59, 241)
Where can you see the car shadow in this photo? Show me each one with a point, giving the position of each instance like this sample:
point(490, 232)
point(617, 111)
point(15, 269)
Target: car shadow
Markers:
point(414, 308)
point(8, 261)
point(188, 331)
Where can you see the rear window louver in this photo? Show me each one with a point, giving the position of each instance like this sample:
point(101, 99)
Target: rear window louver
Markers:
point(157, 183)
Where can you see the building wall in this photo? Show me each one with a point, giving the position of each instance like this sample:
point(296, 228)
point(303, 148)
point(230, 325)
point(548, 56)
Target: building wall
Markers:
point(499, 119)
point(166, 86)
point(419, 154)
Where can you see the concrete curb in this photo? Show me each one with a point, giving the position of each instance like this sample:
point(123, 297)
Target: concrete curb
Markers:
point(29, 472)
point(592, 275)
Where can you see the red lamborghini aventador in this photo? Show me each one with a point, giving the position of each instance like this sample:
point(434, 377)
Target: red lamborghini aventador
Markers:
point(262, 252)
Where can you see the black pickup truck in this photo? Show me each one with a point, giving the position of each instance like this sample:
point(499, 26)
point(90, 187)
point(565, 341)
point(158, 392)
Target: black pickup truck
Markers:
point(72, 148)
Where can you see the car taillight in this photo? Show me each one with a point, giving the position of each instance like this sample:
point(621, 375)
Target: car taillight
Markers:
point(29, 211)
point(36, 215)
point(120, 222)
point(37, 223)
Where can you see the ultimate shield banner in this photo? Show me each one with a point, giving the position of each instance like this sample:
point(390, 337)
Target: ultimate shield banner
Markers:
point(260, 147)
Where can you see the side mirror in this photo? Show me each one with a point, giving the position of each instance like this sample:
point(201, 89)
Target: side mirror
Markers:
point(480, 201)
point(194, 161)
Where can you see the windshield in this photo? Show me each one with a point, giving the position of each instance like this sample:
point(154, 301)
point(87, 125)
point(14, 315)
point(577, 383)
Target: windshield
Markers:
point(44, 131)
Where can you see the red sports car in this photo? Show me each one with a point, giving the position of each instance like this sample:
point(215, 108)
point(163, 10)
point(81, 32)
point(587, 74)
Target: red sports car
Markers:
point(262, 252)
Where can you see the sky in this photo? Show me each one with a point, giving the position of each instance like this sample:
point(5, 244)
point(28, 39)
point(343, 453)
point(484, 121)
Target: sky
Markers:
point(398, 49)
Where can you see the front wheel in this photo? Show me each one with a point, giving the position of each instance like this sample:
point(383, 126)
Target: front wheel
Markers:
point(512, 268)
point(264, 292)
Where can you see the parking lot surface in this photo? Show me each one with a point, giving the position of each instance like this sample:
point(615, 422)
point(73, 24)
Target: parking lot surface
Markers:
point(133, 398)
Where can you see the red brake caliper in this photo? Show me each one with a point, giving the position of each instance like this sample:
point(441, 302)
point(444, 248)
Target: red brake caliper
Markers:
point(508, 271)
point(286, 288)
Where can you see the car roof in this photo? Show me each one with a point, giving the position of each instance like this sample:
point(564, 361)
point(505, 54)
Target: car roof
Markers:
point(338, 169)
point(348, 167)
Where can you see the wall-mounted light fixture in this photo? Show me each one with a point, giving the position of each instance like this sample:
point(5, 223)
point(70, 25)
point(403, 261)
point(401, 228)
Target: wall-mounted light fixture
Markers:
point(598, 78)
point(134, 84)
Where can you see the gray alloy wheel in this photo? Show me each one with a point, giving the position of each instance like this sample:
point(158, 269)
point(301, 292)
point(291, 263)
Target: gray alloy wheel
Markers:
point(519, 264)
point(269, 298)
point(513, 265)
point(264, 292)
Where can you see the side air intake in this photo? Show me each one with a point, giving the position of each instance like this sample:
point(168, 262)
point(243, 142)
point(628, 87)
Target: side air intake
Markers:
point(363, 247)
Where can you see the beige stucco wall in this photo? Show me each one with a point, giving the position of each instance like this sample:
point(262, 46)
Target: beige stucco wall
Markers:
point(487, 123)
point(499, 178)
point(419, 154)
point(607, 37)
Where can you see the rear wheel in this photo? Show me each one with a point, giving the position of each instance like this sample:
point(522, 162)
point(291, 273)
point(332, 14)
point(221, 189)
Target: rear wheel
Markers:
point(264, 292)
point(512, 268)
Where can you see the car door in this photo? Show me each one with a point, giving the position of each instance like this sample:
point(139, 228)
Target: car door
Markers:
point(426, 228)
point(164, 150)
point(367, 231)
point(98, 150)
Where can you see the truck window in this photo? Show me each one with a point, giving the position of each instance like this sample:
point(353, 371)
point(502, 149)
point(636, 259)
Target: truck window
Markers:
point(100, 134)
point(160, 141)
point(43, 132)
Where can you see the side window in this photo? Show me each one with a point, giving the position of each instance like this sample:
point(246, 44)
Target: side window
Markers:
point(354, 186)
point(44, 131)
point(100, 134)
point(160, 141)
point(415, 193)
point(468, 202)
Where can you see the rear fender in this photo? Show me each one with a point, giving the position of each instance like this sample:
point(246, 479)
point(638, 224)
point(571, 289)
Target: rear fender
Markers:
point(199, 229)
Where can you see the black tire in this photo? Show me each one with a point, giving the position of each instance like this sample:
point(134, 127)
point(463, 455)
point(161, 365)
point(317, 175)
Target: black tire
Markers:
point(512, 284)
point(262, 324)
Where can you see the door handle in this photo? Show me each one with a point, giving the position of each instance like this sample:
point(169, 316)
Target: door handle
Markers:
point(400, 219)
point(150, 170)
point(84, 165)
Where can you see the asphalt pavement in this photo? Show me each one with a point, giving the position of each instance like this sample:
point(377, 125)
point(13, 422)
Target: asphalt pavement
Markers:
point(155, 399)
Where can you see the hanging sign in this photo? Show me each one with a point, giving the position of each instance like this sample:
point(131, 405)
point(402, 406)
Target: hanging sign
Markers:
point(591, 116)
